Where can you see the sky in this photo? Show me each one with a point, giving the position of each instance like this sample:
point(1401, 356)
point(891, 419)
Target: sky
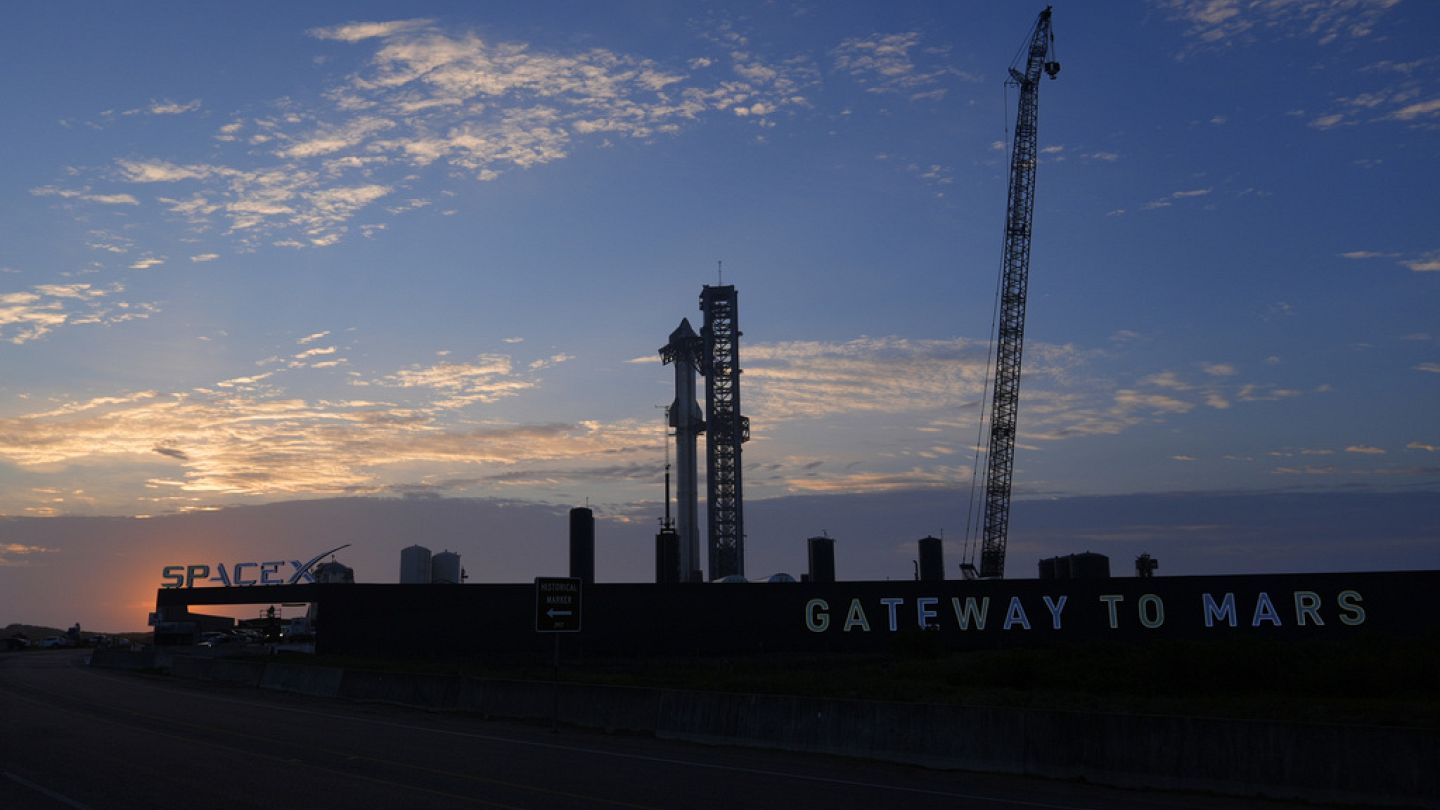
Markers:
point(428, 252)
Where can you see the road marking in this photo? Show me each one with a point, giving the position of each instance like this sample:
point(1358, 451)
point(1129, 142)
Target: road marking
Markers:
point(848, 783)
point(66, 800)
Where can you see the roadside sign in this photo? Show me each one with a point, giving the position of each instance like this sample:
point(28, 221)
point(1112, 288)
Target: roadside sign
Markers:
point(557, 605)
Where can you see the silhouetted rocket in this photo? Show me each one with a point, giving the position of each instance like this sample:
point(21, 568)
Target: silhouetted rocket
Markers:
point(683, 351)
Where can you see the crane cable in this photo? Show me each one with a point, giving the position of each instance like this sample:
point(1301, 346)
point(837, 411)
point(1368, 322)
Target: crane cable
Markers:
point(972, 523)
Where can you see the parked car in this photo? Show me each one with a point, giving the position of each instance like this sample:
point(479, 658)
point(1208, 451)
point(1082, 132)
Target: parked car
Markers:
point(51, 642)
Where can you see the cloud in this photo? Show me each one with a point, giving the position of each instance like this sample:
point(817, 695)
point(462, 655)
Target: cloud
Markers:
point(147, 263)
point(85, 194)
point(1429, 263)
point(811, 379)
point(1421, 109)
point(1365, 450)
point(297, 177)
point(882, 63)
point(1429, 448)
point(1218, 369)
point(31, 314)
point(263, 443)
point(312, 337)
point(205, 257)
point(1432, 368)
point(357, 31)
point(1218, 24)
point(168, 107)
point(1328, 121)
point(1166, 202)
point(18, 555)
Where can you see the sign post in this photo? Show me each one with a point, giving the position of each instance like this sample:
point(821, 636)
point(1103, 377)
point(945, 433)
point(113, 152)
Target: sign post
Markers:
point(557, 610)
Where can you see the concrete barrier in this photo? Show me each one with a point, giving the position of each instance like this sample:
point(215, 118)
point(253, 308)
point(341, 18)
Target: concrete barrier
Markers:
point(121, 658)
point(302, 679)
point(406, 689)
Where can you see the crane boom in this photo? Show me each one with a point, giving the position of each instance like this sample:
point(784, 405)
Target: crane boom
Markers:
point(1015, 280)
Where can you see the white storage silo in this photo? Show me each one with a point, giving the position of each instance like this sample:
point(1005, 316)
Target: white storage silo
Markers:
point(415, 566)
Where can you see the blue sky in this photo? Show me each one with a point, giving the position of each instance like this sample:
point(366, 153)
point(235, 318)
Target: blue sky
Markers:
point(279, 251)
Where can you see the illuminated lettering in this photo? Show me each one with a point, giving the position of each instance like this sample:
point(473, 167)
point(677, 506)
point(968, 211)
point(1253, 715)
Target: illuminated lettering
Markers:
point(969, 613)
point(1155, 615)
point(856, 617)
point(240, 580)
point(1055, 608)
point(302, 571)
point(1307, 605)
point(924, 613)
point(1110, 600)
point(1016, 615)
point(1224, 610)
point(269, 568)
point(817, 619)
point(194, 572)
point(892, 603)
point(1349, 602)
point(172, 576)
point(1265, 611)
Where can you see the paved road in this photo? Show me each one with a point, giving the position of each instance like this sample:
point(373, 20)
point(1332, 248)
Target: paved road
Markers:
point(73, 737)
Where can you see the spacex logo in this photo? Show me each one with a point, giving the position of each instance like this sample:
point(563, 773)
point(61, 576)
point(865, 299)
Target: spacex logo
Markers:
point(242, 574)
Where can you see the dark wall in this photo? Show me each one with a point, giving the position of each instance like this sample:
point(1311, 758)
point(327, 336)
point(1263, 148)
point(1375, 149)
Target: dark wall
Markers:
point(759, 618)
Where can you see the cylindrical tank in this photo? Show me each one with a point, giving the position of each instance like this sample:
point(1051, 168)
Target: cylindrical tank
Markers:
point(932, 560)
point(822, 559)
point(445, 568)
point(667, 556)
point(1089, 565)
point(415, 566)
point(332, 571)
point(582, 544)
point(1047, 568)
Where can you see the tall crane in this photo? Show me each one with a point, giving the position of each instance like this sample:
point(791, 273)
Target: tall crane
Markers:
point(1015, 280)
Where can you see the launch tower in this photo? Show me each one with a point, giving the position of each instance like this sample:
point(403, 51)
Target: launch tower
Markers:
point(727, 429)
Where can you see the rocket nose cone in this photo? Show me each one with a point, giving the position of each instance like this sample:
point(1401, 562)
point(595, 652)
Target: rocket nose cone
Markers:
point(683, 331)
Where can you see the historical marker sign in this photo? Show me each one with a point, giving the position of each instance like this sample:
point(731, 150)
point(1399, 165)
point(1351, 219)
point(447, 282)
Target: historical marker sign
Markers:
point(557, 605)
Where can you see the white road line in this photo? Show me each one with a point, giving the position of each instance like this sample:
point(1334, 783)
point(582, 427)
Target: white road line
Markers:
point(65, 800)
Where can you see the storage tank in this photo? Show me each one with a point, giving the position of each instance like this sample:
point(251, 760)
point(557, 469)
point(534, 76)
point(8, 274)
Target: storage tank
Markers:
point(667, 556)
point(445, 568)
point(334, 572)
point(582, 544)
point(932, 560)
point(821, 551)
point(415, 566)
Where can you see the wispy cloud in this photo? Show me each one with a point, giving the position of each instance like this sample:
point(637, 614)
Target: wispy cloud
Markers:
point(85, 194)
point(883, 63)
point(239, 440)
point(166, 107)
point(19, 555)
point(31, 314)
point(1169, 200)
point(1215, 24)
point(429, 96)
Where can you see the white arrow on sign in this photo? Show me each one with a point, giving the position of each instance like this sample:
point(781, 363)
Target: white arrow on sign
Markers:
point(552, 613)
